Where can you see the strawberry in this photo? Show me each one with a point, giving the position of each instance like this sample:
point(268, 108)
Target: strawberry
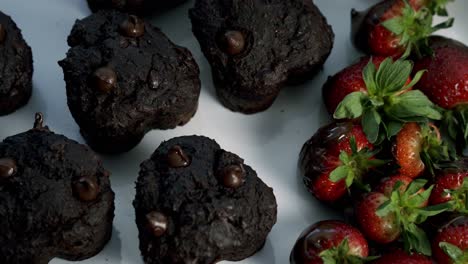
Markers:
point(401, 257)
point(387, 185)
point(446, 83)
point(385, 218)
point(393, 27)
point(337, 156)
point(418, 147)
point(450, 245)
point(452, 187)
point(389, 102)
point(345, 82)
point(330, 242)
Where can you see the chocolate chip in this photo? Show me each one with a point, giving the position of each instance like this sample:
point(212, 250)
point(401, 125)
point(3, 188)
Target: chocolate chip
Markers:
point(7, 167)
point(2, 33)
point(233, 42)
point(133, 27)
point(233, 176)
point(157, 223)
point(176, 157)
point(38, 121)
point(86, 189)
point(104, 79)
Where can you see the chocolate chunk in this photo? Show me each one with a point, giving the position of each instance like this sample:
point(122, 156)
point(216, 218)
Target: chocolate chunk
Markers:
point(157, 223)
point(233, 176)
point(232, 42)
point(7, 167)
point(133, 27)
point(86, 189)
point(104, 79)
point(176, 157)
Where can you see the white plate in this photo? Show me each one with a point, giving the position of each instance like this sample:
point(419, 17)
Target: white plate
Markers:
point(269, 141)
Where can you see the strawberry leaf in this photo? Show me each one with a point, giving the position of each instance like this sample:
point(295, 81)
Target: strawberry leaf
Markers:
point(452, 251)
point(351, 107)
point(415, 239)
point(371, 124)
point(388, 103)
point(438, 7)
point(339, 173)
point(392, 76)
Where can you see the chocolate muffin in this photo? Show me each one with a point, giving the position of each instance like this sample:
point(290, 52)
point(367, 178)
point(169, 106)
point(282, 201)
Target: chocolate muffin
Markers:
point(197, 203)
point(255, 48)
point(134, 6)
point(56, 199)
point(125, 77)
point(16, 67)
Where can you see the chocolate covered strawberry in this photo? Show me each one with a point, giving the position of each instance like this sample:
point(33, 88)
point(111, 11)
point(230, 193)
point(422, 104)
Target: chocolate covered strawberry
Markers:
point(450, 245)
point(451, 188)
point(330, 242)
point(418, 147)
point(389, 101)
point(395, 27)
point(401, 257)
point(446, 83)
point(335, 158)
point(385, 218)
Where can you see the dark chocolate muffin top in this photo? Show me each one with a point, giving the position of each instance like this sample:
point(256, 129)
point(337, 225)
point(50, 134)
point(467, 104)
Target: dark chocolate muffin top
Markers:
point(125, 77)
point(197, 203)
point(55, 199)
point(256, 46)
point(16, 67)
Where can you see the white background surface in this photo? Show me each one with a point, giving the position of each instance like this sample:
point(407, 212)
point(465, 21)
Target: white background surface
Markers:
point(270, 142)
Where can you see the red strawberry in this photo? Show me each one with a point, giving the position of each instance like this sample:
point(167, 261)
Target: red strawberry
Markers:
point(446, 82)
point(401, 257)
point(450, 245)
point(388, 102)
point(418, 147)
point(452, 187)
point(330, 242)
point(387, 185)
point(345, 82)
point(392, 27)
point(384, 218)
point(335, 157)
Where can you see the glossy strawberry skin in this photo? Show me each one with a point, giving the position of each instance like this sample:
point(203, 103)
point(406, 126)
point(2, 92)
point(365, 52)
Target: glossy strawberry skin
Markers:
point(407, 150)
point(320, 156)
point(371, 36)
point(382, 230)
point(446, 79)
point(345, 82)
point(325, 235)
point(447, 181)
point(455, 233)
point(388, 184)
point(401, 257)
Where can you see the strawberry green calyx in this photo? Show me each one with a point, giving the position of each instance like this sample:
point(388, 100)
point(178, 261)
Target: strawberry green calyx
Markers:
point(341, 255)
point(389, 101)
point(456, 122)
point(435, 153)
point(457, 255)
point(409, 211)
point(355, 165)
point(459, 198)
point(414, 27)
point(439, 7)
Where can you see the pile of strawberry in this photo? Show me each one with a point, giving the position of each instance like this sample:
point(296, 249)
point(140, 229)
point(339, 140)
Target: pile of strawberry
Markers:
point(394, 153)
